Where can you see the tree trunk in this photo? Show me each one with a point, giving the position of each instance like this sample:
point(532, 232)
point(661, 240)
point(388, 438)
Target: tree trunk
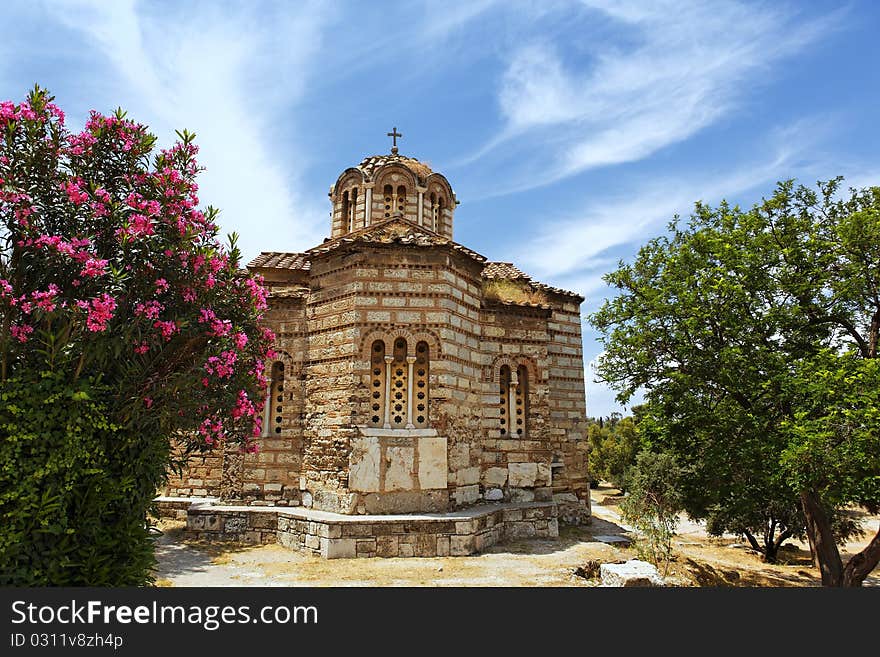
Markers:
point(822, 540)
point(861, 564)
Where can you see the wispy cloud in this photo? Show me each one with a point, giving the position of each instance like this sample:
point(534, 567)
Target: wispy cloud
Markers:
point(573, 252)
point(231, 76)
point(689, 65)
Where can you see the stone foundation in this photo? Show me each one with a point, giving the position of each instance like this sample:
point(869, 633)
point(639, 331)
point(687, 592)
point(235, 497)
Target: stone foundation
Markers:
point(335, 536)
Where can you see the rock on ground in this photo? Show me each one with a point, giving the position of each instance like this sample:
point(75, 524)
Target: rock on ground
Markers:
point(630, 573)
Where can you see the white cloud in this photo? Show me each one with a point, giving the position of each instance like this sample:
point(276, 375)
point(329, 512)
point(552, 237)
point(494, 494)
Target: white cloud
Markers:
point(691, 64)
point(232, 77)
point(565, 250)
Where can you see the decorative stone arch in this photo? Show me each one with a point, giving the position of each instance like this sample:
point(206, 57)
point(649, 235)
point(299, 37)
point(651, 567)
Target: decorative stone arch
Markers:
point(371, 337)
point(439, 180)
point(514, 362)
point(280, 369)
point(513, 378)
point(384, 174)
point(349, 176)
point(399, 381)
point(431, 338)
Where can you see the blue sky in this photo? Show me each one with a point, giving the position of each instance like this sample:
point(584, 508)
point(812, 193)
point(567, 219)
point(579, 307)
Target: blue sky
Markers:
point(571, 131)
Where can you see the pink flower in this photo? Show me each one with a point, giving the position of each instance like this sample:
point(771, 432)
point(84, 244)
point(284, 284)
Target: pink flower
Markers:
point(21, 332)
point(240, 340)
point(141, 348)
point(74, 193)
point(161, 285)
point(148, 402)
point(94, 267)
point(168, 329)
point(150, 309)
point(100, 312)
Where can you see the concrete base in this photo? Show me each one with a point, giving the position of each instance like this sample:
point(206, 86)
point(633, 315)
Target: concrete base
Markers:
point(333, 535)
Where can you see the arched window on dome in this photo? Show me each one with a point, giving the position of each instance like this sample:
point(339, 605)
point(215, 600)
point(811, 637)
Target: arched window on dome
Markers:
point(388, 192)
point(353, 210)
point(436, 211)
point(346, 210)
point(400, 205)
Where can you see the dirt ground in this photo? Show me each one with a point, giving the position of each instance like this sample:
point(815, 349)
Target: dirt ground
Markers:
point(699, 560)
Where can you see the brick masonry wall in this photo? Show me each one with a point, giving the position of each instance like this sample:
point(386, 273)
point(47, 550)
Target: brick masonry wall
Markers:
point(359, 292)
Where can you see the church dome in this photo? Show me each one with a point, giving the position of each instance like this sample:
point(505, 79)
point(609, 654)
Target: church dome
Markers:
point(391, 186)
point(372, 164)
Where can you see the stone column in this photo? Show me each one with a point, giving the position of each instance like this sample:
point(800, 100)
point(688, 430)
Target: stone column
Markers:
point(410, 361)
point(421, 191)
point(511, 402)
point(388, 361)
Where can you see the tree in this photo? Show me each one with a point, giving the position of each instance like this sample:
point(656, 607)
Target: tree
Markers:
point(653, 504)
point(613, 448)
point(754, 335)
point(113, 284)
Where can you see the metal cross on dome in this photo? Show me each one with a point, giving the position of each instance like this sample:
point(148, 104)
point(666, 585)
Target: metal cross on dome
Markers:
point(394, 135)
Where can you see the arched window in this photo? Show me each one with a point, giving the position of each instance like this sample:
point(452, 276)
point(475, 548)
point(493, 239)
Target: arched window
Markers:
point(388, 191)
point(522, 401)
point(436, 211)
point(513, 400)
point(399, 385)
point(353, 211)
point(401, 199)
point(273, 416)
point(377, 384)
point(504, 399)
point(399, 388)
point(423, 362)
point(346, 211)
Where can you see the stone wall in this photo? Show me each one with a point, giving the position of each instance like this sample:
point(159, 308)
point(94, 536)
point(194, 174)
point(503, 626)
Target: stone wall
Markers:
point(202, 476)
point(325, 458)
point(332, 536)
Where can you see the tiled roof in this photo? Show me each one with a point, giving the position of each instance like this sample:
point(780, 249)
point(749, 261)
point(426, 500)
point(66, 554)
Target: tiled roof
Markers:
point(278, 260)
point(369, 165)
point(503, 270)
point(507, 271)
point(396, 230)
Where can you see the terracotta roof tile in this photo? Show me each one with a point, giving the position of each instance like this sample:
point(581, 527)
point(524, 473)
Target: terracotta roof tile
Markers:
point(504, 270)
point(369, 165)
point(395, 231)
point(279, 260)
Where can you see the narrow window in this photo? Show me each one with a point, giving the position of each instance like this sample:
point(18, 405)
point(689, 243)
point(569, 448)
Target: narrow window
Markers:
point(346, 210)
point(377, 384)
point(398, 375)
point(438, 221)
point(522, 400)
point(353, 211)
point(504, 399)
point(433, 212)
point(389, 192)
point(401, 199)
point(421, 388)
point(274, 413)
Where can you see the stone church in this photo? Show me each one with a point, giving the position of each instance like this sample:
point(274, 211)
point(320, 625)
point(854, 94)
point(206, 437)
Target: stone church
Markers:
point(413, 375)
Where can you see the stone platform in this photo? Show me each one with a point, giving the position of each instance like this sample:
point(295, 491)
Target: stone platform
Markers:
point(334, 536)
